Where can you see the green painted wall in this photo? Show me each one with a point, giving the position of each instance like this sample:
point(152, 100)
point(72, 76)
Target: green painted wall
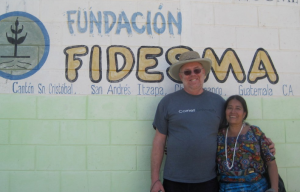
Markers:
point(103, 143)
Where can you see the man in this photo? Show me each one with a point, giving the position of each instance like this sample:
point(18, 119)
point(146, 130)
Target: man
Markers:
point(188, 120)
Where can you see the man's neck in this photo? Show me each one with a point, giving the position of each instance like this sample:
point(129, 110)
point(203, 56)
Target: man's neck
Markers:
point(194, 92)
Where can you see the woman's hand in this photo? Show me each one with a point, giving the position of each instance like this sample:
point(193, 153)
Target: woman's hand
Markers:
point(270, 190)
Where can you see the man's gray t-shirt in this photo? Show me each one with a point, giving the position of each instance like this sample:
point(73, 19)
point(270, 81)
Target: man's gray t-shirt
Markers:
point(191, 124)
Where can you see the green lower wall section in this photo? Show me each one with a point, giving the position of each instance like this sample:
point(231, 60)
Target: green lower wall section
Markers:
point(103, 143)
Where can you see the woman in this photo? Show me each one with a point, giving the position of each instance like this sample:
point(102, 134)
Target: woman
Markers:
point(242, 152)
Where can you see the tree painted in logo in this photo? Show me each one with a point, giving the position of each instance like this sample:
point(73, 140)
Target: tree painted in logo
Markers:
point(16, 41)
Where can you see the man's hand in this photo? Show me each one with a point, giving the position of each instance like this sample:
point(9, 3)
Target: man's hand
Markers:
point(157, 187)
point(271, 146)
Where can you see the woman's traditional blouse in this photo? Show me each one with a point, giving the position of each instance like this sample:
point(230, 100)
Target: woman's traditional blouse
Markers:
point(251, 153)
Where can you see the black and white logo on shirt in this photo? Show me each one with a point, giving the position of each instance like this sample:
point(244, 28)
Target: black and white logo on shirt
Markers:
point(187, 111)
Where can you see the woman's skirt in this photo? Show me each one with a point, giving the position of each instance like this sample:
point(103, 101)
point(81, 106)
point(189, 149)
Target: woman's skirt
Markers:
point(259, 186)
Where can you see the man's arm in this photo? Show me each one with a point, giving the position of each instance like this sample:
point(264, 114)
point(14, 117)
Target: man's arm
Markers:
point(158, 146)
point(271, 146)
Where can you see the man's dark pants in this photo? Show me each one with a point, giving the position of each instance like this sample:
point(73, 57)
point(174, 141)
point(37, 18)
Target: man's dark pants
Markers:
point(208, 186)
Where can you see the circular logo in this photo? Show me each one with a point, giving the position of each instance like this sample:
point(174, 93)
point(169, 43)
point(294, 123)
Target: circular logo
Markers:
point(24, 45)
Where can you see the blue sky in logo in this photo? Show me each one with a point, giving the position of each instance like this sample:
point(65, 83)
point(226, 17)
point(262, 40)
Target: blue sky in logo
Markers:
point(24, 45)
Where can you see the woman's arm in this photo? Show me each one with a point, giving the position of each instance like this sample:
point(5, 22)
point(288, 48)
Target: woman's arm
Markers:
point(273, 174)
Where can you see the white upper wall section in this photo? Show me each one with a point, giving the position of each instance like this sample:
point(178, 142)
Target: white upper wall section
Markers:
point(259, 36)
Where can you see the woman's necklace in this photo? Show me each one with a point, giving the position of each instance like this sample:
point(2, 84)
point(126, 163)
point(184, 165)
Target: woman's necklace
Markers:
point(233, 149)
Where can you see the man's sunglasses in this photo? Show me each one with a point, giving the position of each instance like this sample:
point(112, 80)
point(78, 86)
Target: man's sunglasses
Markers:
point(189, 72)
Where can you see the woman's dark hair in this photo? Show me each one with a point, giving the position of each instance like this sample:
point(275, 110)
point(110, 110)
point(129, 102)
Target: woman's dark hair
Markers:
point(241, 100)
